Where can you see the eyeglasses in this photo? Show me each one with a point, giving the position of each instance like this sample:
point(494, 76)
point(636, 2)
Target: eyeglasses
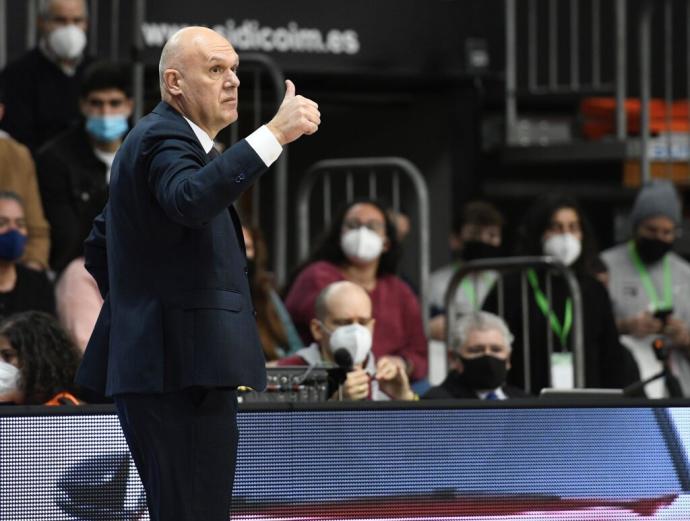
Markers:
point(66, 20)
point(374, 226)
point(362, 321)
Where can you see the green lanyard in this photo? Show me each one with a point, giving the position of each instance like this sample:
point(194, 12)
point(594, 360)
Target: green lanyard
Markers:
point(468, 288)
point(561, 331)
point(471, 294)
point(647, 280)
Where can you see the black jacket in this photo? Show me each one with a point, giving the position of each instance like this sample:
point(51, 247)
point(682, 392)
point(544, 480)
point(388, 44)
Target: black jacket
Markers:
point(168, 256)
point(454, 386)
point(73, 186)
point(607, 363)
point(40, 99)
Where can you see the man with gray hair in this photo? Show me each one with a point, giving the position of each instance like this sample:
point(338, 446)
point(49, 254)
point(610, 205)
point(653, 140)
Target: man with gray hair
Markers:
point(479, 360)
point(42, 86)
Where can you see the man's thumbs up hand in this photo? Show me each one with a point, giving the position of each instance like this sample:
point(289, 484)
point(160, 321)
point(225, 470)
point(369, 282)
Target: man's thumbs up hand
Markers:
point(289, 90)
point(296, 116)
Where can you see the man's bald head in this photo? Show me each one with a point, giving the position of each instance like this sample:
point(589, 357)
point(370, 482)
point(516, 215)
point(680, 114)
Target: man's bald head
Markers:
point(342, 297)
point(340, 304)
point(49, 8)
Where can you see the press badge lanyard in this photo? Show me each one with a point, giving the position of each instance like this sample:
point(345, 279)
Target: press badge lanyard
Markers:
point(561, 331)
point(647, 280)
point(471, 293)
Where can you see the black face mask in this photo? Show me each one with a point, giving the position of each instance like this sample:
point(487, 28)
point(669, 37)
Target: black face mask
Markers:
point(485, 372)
point(474, 250)
point(651, 250)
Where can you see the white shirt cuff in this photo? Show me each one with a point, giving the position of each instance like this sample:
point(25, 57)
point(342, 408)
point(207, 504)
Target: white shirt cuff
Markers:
point(265, 144)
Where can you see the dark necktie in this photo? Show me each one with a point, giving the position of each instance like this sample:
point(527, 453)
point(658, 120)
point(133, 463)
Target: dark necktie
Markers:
point(213, 153)
point(491, 396)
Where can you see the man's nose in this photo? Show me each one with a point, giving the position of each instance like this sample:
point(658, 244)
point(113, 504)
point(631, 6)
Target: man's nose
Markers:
point(232, 80)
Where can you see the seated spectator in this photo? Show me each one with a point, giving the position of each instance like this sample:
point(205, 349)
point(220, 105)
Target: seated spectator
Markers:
point(477, 234)
point(554, 225)
point(18, 175)
point(276, 331)
point(343, 320)
point(44, 358)
point(479, 361)
point(21, 288)
point(649, 286)
point(42, 86)
point(361, 246)
point(74, 168)
point(78, 302)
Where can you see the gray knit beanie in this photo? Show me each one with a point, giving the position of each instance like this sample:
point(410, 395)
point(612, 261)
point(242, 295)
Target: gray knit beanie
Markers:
point(656, 199)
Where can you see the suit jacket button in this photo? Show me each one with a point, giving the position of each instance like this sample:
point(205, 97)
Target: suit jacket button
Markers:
point(254, 313)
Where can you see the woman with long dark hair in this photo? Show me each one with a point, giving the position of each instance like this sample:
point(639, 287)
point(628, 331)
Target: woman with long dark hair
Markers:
point(276, 331)
point(555, 225)
point(361, 246)
point(44, 356)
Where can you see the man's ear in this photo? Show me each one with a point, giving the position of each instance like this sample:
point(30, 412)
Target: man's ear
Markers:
point(454, 362)
point(455, 242)
point(129, 105)
point(171, 79)
point(316, 331)
point(83, 106)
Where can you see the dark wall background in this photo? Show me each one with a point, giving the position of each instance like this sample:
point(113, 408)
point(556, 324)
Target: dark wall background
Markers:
point(409, 90)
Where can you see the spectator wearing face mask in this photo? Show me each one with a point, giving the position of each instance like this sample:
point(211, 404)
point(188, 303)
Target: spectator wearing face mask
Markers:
point(361, 246)
point(21, 288)
point(477, 234)
point(343, 321)
point(479, 360)
point(18, 175)
point(38, 361)
point(649, 286)
point(74, 168)
point(555, 225)
point(42, 86)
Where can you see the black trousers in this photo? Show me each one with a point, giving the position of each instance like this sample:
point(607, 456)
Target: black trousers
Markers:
point(184, 445)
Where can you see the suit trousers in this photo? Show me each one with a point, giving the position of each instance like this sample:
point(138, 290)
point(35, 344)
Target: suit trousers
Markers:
point(184, 445)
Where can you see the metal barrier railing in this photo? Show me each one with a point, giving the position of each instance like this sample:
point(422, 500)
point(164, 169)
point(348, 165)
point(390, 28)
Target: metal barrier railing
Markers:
point(587, 38)
point(373, 170)
point(512, 264)
point(574, 81)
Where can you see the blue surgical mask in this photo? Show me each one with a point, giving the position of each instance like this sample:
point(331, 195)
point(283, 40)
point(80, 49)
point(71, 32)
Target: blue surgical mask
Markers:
point(107, 129)
point(12, 245)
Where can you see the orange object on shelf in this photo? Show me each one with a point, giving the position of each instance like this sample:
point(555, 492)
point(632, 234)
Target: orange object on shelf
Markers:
point(599, 116)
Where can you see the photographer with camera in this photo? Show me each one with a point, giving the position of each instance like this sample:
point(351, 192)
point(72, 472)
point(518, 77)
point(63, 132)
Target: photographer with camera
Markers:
point(649, 287)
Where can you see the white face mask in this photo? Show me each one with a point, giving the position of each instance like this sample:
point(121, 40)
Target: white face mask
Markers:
point(9, 377)
point(355, 338)
point(67, 42)
point(564, 246)
point(361, 244)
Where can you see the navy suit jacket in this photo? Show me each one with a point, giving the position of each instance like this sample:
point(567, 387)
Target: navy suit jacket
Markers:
point(168, 256)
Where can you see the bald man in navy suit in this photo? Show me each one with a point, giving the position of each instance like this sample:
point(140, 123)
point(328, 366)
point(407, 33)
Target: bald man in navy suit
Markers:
point(177, 334)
